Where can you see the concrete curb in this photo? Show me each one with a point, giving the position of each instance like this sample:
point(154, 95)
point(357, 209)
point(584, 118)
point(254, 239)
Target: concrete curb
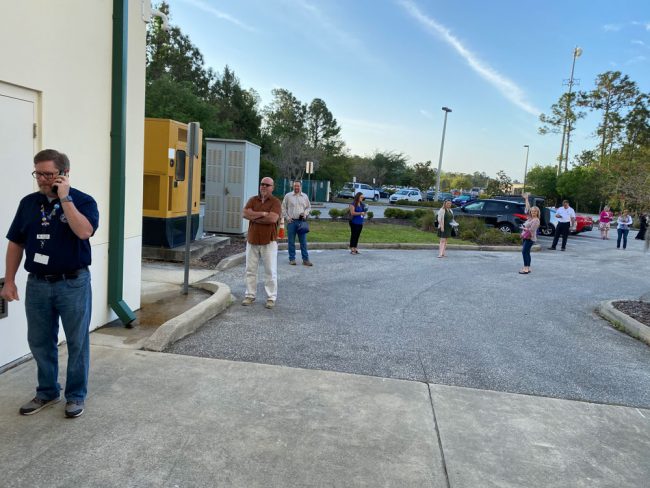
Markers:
point(190, 320)
point(623, 322)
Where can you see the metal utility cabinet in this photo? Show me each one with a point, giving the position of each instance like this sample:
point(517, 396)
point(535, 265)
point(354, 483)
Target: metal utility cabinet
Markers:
point(232, 170)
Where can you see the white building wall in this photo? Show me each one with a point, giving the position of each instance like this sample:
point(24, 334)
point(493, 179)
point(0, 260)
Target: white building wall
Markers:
point(62, 51)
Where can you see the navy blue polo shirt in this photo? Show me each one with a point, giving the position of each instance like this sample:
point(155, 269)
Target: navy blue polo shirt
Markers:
point(41, 227)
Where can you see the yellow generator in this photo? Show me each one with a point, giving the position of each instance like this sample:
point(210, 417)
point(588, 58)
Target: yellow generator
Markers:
point(166, 175)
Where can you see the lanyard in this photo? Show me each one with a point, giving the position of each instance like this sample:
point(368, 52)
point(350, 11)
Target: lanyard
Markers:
point(45, 218)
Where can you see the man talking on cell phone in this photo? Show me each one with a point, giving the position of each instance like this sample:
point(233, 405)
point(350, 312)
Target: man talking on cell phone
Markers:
point(51, 228)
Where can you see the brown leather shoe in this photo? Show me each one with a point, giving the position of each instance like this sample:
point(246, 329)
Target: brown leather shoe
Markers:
point(307, 263)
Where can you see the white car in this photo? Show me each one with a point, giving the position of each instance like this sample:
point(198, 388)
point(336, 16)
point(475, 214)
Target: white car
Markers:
point(410, 194)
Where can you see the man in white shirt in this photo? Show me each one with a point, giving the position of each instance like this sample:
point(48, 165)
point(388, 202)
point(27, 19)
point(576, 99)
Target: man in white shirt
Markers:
point(566, 218)
point(295, 209)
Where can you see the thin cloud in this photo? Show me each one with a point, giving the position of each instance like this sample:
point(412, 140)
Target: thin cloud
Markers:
point(635, 60)
point(426, 114)
point(645, 25)
point(639, 43)
point(341, 37)
point(612, 27)
point(507, 87)
point(219, 14)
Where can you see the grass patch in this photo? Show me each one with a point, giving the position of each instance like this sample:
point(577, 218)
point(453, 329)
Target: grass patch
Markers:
point(328, 231)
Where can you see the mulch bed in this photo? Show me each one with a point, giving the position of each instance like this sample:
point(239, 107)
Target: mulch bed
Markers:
point(636, 309)
point(237, 245)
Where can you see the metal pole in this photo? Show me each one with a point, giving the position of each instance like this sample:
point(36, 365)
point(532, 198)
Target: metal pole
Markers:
point(526, 167)
point(577, 51)
point(193, 151)
point(442, 146)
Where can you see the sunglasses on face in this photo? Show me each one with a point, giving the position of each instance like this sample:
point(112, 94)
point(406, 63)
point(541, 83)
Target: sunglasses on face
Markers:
point(266, 184)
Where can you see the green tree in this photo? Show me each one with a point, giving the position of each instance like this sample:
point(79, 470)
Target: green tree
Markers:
point(238, 112)
point(562, 112)
point(505, 182)
point(285, 116)
point(583, 186)
point(171, 54)
point(389, 167)
point(424, 176)
point(323, 131)
point(613, 94)
point(542, 181)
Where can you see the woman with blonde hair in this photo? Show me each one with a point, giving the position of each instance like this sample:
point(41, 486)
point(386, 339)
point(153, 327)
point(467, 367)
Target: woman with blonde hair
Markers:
point(529, 234)
point(445, 218)
point(604, 220)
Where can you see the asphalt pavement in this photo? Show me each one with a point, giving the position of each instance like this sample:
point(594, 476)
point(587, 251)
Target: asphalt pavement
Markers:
point(468, 320)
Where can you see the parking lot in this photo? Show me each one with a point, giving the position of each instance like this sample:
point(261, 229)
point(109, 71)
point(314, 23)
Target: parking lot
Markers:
point(468, 320)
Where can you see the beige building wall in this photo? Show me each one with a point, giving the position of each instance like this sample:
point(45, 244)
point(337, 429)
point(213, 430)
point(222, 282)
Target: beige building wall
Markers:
point(61, 53)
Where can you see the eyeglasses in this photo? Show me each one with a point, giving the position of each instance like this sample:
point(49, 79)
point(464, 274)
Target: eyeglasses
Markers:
point(266, 184)
point(47, 176)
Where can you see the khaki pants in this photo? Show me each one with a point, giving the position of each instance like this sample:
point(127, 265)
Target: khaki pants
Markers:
point(268, 253)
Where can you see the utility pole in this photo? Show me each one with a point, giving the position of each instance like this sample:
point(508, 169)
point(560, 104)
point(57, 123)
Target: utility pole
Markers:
point(442, 146)
point(577, 51)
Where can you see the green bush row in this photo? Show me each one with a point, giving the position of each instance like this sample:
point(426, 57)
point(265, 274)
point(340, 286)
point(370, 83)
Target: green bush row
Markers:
point(400, 213)
point(418, 204)
point(475, 230)
point(344, 213)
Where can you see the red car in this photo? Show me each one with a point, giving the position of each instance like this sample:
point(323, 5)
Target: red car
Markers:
point(583, 224)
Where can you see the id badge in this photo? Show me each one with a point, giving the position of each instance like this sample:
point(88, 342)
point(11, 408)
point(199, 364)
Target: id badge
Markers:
point(41, 258)
point(42, 237)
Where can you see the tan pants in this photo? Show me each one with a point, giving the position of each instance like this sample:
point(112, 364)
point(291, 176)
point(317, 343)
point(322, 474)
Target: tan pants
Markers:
point(268, 253)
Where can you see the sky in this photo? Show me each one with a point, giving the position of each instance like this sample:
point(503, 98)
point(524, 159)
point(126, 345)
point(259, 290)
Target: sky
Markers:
point(385, 68)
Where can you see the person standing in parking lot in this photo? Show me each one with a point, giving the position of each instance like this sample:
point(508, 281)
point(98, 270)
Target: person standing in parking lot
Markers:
point(445, 217)
point(566, 218)
point(623, 222)
point(357, 213)
point(295, 209)
point(604, 220)
point(529, 234)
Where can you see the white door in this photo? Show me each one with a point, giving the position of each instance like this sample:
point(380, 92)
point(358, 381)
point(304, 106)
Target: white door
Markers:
point(17, 118)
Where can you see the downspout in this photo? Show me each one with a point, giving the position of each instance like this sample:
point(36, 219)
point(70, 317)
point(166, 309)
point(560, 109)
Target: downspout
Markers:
point(118, 164)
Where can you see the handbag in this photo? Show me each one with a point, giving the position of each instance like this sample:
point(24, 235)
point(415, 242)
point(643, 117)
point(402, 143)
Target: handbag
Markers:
point(526, 234)
point(302, 227)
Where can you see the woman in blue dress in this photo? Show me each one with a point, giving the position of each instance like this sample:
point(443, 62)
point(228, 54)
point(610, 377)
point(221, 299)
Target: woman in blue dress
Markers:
point(357, 214)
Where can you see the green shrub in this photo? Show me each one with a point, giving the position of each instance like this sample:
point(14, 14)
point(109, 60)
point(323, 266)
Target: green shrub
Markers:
point(420, 212)
point(475, 230)
point(418, 204)
point(427, 222)
point(315, 214)
point(334, 213)
point(370, 215)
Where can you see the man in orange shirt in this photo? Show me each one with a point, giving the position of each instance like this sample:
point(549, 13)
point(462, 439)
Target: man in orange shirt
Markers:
point(263, 212)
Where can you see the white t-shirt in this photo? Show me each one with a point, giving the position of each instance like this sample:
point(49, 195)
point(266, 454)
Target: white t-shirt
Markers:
point(565, 214)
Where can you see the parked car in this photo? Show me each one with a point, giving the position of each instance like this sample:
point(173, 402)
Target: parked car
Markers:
point(351, 189)
point(505, 215)
point(409, 194)
point(442, 196)
point(463, 200)
point(383, 193)
point(547, 222)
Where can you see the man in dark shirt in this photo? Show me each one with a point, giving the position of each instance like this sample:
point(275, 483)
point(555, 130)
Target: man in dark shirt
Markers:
point(51, 228)
point(263, 212)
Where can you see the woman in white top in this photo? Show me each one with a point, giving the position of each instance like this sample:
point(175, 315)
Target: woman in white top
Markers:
point(623, 228)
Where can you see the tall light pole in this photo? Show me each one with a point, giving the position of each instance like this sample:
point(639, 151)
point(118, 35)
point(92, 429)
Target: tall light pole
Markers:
point(442, 146)
point(577, 51)
point(526, 166)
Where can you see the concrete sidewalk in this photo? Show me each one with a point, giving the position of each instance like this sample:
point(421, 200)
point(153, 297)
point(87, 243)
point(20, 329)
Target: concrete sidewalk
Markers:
point(163, 420)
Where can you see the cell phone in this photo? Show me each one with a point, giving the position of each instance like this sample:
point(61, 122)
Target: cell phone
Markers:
point(55, 188)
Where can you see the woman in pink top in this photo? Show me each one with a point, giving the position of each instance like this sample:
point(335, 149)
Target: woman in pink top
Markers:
point(604, 222)
point(529, 234)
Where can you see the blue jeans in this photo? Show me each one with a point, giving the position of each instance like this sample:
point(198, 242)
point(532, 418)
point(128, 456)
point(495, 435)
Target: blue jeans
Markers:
point(45, 302)
point(525, 251)
point(291, 236)
point(622, 233)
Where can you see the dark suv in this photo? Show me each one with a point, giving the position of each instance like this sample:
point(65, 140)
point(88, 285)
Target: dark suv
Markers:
point(505, 215)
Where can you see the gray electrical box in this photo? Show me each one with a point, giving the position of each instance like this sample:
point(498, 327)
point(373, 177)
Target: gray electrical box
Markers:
point(232, 170)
